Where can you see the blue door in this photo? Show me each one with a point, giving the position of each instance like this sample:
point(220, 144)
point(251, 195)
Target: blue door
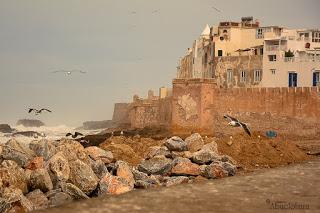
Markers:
point(293, 79)
point(316, 78)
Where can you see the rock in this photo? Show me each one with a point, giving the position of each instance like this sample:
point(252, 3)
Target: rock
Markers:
point(73, 191)
point(82, 176)
point(199, 179)
point(114, 185)
point(184, 154)
point(229, 142)
point(4, 205)
point(38, 199)
point(211, 147)
point(58, 199)
point(58, 168)
point(12, 175)
point(230, 168)
point(186, 168)
point(171, 181)
point(112, 168)
point(23, 205)
point(99, 168)
point(204, 156)
point(97, 153)
point(72, 150)
point(5, 128)
point(156, 151)
point(215, 170)
point(40, 179)
point(35, 163)
point(124, 171)
point(11, 194)
point(43, 148)
point(30, 122)
point(194, 142)
point(179, 160)
point(18, 152)
point(227, 158)
point(142, 180)
point(158, 165)
point(176, 144)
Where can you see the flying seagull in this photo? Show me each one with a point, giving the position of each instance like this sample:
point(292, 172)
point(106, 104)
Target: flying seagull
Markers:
point(75, 135)
point(216, 9)
point(69, 72)
point(38, 111)
point(236, 123)
point(155, 11)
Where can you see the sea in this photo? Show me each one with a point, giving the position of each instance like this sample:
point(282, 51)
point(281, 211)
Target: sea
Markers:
point(50, 132)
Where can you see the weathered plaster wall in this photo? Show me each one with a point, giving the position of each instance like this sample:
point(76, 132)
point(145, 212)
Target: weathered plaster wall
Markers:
point(121, 114)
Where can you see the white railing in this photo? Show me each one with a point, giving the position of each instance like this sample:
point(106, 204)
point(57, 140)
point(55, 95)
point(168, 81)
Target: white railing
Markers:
point(302, 59)
point(275, 47)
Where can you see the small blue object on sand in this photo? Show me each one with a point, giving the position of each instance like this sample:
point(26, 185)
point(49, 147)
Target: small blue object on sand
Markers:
point(271, 134)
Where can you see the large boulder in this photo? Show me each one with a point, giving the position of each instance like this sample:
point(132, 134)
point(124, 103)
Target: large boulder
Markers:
point(58, 198)
point(158, 165)
point(215, 170)
point(40, 179)
point(73, 191)
point(156, 151)
point(176, 180)
point(142, 180)
point(230, 168)
point(38, 199)
point(114, 185)
point(82, 176)
point(204, 156)
point(211, 147)
point(5, 128)
point(194, 142)
point(22, 205)
point(176, 144)
point(35, 163)
point(99, 168)
point(72, 150)
point(97, 153)
point(58, 168)
point(16, 151)
point(124, 171)
point(186, 168)
point(12, 175)
point(44, 148)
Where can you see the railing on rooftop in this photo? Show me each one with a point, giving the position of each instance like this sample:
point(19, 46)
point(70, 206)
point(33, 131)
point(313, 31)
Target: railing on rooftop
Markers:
point(275, 47)
point(302, 59)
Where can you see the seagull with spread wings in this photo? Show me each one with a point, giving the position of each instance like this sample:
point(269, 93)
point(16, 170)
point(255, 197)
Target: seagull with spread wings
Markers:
point(236, 123)
point(75, 135)
point(69, 72)
point(38, 111)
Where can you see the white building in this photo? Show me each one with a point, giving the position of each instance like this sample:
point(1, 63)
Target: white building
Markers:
point(292, 59)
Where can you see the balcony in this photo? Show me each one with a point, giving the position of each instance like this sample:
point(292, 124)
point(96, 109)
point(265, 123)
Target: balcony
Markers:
point(302, 59)
point(275, 47)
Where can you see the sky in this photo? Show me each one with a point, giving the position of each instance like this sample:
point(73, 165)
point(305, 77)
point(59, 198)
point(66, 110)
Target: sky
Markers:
point(126, 47)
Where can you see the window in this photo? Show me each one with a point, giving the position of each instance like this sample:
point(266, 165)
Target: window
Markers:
point(219, 52)
point(316, 78)
point(261, 51)
point(229, 75)
point(243, 76)
point(205, 58)
point(316, 37)
point(293, 79)
point(273, 71)
point(272, 57)
point(257, 75)
point(260, 32)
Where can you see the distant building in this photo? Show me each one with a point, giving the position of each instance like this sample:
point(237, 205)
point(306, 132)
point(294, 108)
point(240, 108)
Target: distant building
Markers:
point(244, 54)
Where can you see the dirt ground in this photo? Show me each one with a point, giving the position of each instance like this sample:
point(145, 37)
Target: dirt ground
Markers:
point(250, 152)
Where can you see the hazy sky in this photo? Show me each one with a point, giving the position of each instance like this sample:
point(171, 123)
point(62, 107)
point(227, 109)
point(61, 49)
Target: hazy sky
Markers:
point(123, 53)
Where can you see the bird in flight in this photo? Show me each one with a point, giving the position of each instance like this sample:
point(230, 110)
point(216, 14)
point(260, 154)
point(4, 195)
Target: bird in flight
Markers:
point(75, 135)
point(216, 9)
point(38, 111)
point(236, 123)
point(69, 72)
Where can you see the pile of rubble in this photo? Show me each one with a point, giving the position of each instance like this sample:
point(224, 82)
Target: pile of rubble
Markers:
point(51, 173)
